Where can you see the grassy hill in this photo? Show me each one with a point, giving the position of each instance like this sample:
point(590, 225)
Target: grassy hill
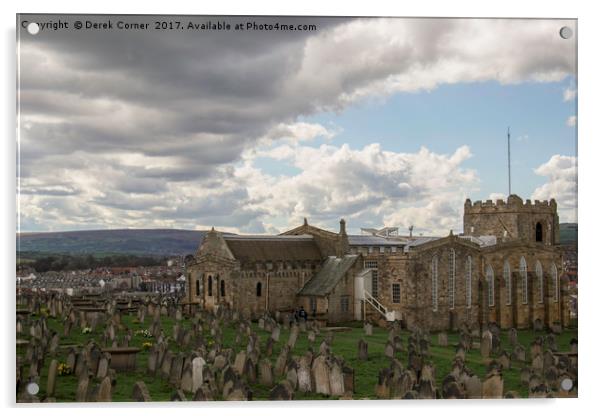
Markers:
point(568, 233)
point(159, 242)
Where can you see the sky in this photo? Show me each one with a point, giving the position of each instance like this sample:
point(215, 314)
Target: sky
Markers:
point(383, 122)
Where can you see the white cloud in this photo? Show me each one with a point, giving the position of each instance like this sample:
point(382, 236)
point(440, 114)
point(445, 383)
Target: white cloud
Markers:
point(162, 130)
point(366, 186)
point(561, 173)
point(569, 94)
point(571, 121)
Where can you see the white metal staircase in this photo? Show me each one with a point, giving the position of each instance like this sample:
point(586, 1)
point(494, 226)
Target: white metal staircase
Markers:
point(371, 300)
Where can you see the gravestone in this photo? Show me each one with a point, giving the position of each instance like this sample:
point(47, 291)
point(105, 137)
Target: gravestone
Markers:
point(362, 350)
point(51, 381)
point(304, 383)
point(368, 328)
point(321, 375)
point(493, 386)
point(486, 341)
point(282, 391)
point(442, 339)
point(104, 390)
point(198, 364)
point(266, 376)
point(473, 387)
point(281, 361)
point(81, 394)
point(337, 382)
point(519, 353)
point(276, 333)
point(512, 336)
point(140, 392)
point(389, 350)
point(103, 365)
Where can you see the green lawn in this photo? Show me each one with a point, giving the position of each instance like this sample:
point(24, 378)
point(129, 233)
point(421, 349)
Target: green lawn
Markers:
point(345, 344)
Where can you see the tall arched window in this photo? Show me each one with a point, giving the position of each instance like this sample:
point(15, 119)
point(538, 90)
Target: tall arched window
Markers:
point(210, 286)
point(524, 280)
point(539, 274)
point(554, 275)
point(451, 278)
point(490, 286)
point(538, 232)
point(198, 287)
point(222, 288)
point(434, 279)
point(508, 282)
point(468, 267)
point(258, 289)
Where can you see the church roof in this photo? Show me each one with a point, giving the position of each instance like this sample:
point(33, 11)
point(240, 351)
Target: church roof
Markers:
point(249, 248)
point(375, 240)
point(333, 270)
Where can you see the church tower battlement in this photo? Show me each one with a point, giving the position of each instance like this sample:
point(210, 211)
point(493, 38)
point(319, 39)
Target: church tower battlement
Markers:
point(513, 219)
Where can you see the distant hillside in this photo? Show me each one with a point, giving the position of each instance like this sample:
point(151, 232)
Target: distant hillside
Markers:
point(568, 233)
point(139, 242)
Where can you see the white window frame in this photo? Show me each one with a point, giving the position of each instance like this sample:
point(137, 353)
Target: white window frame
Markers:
point(393, 286)
point(539, 274)
point(508, 281)
point(490, 277)
point(451, 278)
point(524, 277)
point(554, 273)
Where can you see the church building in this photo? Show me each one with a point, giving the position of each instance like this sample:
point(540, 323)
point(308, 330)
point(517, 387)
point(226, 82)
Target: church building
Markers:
point(505, 267)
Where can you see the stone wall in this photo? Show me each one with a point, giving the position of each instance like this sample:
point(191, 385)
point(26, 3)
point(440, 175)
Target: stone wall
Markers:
point(512, 219)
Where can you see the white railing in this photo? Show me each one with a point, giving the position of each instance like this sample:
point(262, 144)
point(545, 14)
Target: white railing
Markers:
point(368, 298)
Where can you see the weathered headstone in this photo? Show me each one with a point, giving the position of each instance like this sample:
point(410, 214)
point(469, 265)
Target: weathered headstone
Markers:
point(362, 350)
point(140, 392)
point(51, 381)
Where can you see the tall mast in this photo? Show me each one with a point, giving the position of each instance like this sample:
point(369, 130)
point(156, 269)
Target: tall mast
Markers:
point(509, 178)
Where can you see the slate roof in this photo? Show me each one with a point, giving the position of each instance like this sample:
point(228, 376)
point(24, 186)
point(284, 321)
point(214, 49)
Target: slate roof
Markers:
point(333, 270)
point(482, 240)
point(374, 240)
point(249, 248)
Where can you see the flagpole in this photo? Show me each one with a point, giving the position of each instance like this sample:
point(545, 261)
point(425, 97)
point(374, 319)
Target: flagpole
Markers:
point(509, 178)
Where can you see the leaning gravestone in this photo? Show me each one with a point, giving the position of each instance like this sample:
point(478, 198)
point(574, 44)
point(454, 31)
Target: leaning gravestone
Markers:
point(321, 375)
point(140, 392)
point(51, 382)
point(104, 390)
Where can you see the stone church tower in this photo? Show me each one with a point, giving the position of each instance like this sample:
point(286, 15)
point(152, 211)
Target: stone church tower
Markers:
point(513, 220)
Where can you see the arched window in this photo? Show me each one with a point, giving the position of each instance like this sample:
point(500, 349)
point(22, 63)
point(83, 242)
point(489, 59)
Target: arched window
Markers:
point(210, 286)
point(524, 280)
point(258, 289)
point(538, 232)
point(451, 278)
point(554, 275)
point(222, 288)
point(198, 287)
point(434, 278)
point(490, 286)
point(468, 266)
point(539, 274)
point(508, 282)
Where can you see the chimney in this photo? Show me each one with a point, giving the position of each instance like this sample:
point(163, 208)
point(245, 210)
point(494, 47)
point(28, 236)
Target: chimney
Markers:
point(342, 230)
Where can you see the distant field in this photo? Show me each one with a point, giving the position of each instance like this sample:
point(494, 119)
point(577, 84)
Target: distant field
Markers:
point(99, 242)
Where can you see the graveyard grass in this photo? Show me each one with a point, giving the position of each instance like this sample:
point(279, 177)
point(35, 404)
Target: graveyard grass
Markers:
point(345, 344)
